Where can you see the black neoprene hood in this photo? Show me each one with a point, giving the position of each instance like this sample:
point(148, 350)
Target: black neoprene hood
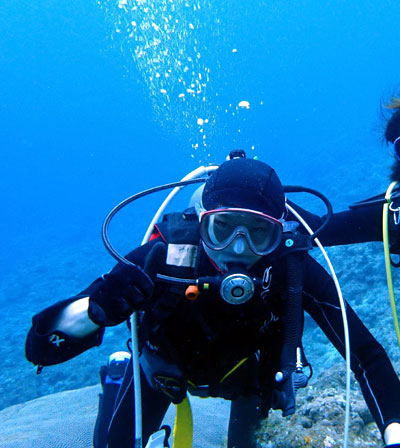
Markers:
point(245, 183)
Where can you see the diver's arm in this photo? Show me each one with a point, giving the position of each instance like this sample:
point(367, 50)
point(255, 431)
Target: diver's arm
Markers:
point(74, 320)
point(358, 225)
point(64, 330)
point(47, 343)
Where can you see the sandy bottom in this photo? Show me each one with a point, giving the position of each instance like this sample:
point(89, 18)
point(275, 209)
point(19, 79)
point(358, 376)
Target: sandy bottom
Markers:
point(66, 420)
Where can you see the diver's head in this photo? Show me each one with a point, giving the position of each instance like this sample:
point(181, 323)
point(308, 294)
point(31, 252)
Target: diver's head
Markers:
point(244, 204)
point(392, 136)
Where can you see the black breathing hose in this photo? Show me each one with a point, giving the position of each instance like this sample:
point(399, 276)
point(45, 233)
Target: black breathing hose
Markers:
point(299, 189)
point(117, 208)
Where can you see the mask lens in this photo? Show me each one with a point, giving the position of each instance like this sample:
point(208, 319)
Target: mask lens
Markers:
point(218, 229)
point(265, 235)
point(222, 228)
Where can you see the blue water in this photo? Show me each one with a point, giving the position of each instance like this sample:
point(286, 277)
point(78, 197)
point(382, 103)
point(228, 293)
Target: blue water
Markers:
point(90, 113)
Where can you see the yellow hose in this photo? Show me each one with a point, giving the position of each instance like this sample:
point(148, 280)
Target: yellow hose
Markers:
point(389, 278)
point(183, 428)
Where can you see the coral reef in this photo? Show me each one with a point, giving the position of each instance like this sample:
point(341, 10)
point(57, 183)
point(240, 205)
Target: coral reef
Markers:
point(319, 418)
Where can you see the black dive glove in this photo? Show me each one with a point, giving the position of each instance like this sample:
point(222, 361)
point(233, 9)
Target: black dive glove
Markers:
point(122, 292)
point(119, 295)
point(284, 395)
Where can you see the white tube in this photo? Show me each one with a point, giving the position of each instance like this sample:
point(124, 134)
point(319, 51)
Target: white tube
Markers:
point(137, 391)
point(345, 325)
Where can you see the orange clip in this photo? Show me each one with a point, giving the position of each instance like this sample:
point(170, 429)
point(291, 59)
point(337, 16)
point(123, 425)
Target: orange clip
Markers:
point(192, 292)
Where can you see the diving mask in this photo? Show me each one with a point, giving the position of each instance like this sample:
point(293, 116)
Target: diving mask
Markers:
point(219, 228)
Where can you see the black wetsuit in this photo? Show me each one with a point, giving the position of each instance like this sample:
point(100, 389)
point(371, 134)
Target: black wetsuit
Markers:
point(360, 224)
point(205, 338)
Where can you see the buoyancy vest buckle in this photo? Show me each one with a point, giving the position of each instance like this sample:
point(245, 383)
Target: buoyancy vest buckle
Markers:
point(396, 213)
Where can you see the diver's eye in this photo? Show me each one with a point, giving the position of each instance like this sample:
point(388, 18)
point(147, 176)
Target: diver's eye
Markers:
point(259, 234)
point(258, 231)
point(222, 229)
point(221, 224)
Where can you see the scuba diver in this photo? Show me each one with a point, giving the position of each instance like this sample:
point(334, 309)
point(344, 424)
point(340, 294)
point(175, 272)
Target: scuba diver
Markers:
point(236, 334)
point(362, 222)
point(372, 219)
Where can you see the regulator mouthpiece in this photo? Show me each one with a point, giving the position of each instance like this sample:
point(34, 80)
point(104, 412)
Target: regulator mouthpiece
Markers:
point(237, 288)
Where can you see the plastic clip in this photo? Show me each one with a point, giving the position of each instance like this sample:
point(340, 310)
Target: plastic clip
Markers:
point(396, 213)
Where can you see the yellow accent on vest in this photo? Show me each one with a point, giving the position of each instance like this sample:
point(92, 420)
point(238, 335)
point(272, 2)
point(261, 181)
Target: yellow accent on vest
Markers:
point(233, 369)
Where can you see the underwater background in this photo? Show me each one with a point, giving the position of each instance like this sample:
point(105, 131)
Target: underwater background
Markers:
point(102, 99)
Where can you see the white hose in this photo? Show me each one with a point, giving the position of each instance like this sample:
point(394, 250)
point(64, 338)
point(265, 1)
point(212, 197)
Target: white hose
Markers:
point(137, 391)
point(345, 325)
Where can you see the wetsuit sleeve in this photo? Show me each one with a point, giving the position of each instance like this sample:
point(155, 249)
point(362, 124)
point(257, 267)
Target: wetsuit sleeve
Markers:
point(369, 361)
point(45, 345)
point(358, 225)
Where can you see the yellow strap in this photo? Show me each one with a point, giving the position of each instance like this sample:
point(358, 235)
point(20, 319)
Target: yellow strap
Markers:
point(226, 374)
point(385, 227)
point(183, 429)
point(233, 369)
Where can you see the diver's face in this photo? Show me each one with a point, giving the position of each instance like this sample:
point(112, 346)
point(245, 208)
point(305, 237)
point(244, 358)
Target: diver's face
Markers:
point(238, 236)
point(243, 227)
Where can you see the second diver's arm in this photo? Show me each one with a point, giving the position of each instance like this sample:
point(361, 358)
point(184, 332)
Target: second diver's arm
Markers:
point(358, 225)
